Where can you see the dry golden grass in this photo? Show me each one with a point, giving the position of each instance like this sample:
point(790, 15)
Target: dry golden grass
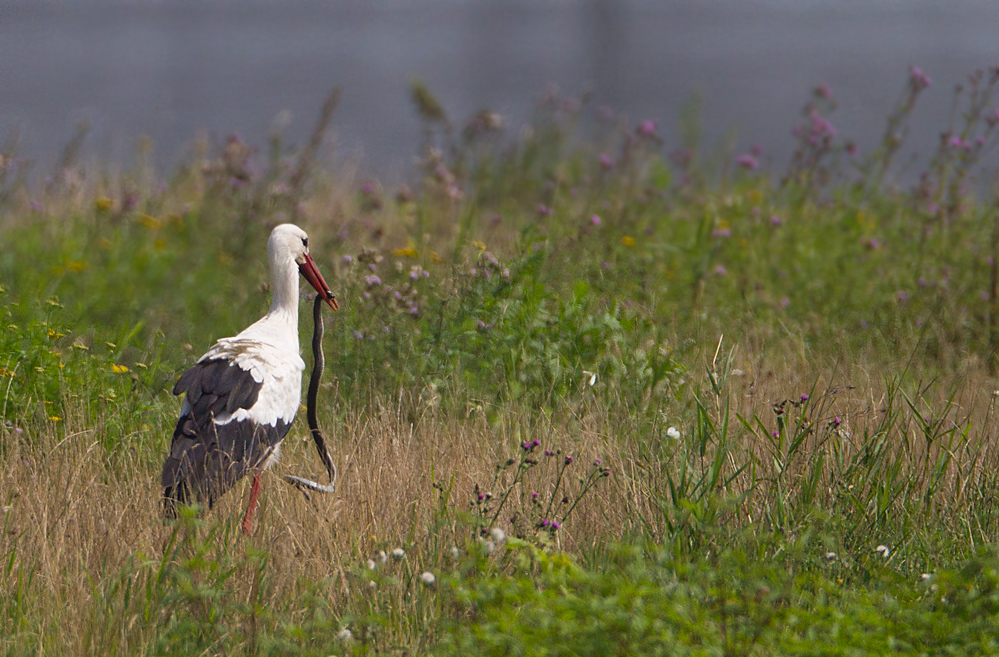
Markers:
point(74, 515)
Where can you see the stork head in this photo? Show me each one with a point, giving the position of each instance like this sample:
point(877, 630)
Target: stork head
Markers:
point(289, 242)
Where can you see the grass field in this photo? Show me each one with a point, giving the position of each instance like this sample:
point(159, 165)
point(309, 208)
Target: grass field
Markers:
point(601, 395)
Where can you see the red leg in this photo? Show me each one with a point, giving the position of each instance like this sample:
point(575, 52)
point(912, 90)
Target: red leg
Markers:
point(251, 507)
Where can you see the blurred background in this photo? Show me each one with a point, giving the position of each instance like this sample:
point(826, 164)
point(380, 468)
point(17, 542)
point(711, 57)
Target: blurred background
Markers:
point(169, 69)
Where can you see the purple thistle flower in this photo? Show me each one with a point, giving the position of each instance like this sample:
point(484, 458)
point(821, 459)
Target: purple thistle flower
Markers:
point(372, 267)
point(836, 421)
point(756, 150)
point(525, 446)
point(721, 232)
point(775, 220)
point(347, 259)
point(597, 461)
point(569, 460)
point(918, 79)
point(555, 525)
point(606, 162)
point(785, 302)
point(535, 443)
point(358, 335)
point(372, 280)
point(646, 128)
point(747, 161)
point(38, 207)
point(534, 495)
point(544, 210)
point(595, 220)
point(803, 398)
point(548, 452)
point(720, 270)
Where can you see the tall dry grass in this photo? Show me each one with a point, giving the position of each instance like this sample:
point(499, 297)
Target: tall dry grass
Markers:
point(75, 515)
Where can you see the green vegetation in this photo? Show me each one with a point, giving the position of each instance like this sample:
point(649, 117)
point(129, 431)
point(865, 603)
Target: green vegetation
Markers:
point(586, 396)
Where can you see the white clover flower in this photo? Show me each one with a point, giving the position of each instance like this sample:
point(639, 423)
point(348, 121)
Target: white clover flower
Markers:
point(673, 433)
point(428, 579)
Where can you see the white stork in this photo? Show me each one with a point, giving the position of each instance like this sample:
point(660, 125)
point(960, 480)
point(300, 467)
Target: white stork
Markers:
point(241, 396)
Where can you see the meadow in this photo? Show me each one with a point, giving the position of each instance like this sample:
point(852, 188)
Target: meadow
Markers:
point(588, 392)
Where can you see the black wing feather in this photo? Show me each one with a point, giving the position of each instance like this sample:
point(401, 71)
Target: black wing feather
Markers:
point(205, 458)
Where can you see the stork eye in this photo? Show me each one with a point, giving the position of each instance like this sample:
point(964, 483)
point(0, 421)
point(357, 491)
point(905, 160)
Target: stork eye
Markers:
point(305, 242)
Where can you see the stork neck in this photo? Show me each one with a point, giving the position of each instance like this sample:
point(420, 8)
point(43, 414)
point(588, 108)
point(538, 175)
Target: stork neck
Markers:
point(284, 285)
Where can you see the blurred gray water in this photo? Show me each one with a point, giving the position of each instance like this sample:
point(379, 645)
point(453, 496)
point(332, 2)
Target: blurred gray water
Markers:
point(169, 68)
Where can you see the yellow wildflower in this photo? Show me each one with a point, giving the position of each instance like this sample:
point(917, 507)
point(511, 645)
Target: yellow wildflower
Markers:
point(436, 257)
point(119, 369)
point(628, 241)
point(103, 204)
point(150, 222)
point(481, 246)
point(76, 266)
point(55, 418)
point(225, 259)
point(407, 252)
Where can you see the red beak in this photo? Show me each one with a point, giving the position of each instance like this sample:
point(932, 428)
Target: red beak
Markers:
point(311, 273)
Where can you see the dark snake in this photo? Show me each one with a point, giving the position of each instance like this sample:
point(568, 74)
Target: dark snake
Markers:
point(318, 363)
